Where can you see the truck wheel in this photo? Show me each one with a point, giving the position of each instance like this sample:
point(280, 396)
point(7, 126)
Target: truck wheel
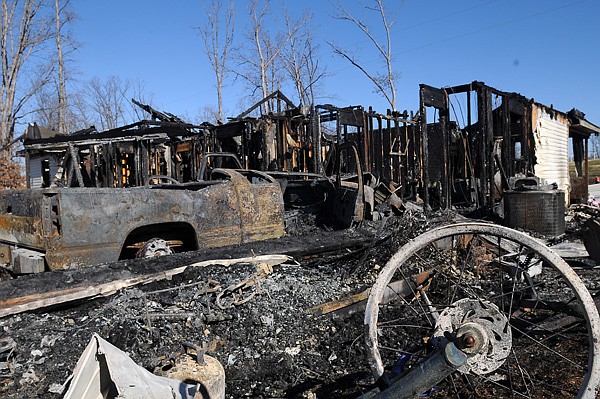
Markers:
point(153, 248)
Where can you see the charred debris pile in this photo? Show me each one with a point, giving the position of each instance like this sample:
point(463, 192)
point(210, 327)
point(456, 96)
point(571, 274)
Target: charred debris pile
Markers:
point(280, 326)
point(267, 325)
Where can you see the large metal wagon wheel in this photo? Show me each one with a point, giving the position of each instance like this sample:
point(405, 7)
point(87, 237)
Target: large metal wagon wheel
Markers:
point(475, 310)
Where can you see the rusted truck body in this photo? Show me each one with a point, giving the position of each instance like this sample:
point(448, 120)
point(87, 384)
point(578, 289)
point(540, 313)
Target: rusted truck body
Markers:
point(56, 228)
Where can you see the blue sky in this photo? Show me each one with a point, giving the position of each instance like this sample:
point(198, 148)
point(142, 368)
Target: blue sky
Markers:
point(548, 50)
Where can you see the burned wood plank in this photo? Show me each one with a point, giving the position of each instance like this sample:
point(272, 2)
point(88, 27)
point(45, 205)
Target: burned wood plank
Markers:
point(31, 292)
point(358, 302)
point(55, 297)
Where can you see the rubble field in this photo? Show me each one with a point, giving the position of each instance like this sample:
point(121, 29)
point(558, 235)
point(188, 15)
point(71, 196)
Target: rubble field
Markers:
point(269, 337)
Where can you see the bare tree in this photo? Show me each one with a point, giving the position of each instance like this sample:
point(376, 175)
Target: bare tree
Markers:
point(218, 39)
point(46, 113)
point(300, 58)
point(139, 92)
point(384, 82)
point(265, 48)
point(24, 31)
point(207, 113)
point(46, 109)
point(259, 64)
point(53, 109)
point(109, 101)
point(79, 113)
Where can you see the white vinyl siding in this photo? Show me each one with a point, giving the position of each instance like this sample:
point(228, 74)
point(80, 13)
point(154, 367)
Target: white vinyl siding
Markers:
point(551, 135)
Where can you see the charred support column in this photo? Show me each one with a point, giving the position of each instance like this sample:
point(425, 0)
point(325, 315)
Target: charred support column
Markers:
point(280, 139)
point(378, 147)
point(485, 171)
point(75, 165)
point(316, 140)
point(145, 162)
point(265, 156)
point(395, 154)
point(366, 142)
point(369, 142)
point(93, 166)
point(507, 141)
point(387, 148)
point(446, 197)
point(424, 148)
point(436, 98)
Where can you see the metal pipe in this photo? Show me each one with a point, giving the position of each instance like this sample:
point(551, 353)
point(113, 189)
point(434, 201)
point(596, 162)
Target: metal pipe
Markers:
point(427, 374)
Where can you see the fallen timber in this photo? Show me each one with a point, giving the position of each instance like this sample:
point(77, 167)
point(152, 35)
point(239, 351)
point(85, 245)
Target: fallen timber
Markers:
point(39, 291)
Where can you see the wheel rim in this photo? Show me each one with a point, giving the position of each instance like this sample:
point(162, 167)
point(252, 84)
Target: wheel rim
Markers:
point(488, 263)
point(153, 248)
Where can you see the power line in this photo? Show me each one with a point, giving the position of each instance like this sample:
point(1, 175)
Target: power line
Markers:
point(446, 16)
point(492, 26)
point(467, 33)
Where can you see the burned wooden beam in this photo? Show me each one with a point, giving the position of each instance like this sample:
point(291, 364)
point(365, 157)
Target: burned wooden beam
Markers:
point(30, 292)
point(55, 297)
point(357, 302)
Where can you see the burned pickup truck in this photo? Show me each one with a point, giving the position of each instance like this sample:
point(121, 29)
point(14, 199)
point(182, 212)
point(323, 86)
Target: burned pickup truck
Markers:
point(62, 227)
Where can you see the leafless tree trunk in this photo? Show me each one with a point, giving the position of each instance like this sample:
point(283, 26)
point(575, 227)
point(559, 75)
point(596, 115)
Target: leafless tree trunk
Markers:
point(62, 90)
point(23, 32)
point(300, 59)
point(384, 82)
point(54, 109)
point(46, 112)
point(260, 63)
point(263, 47)
point(218, 39)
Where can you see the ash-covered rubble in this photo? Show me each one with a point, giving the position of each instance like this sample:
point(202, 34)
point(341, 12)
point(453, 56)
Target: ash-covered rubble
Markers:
point(269, 335)
point(272, 343)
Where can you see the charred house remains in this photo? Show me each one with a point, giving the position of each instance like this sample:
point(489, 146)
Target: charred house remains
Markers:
point(470, 147)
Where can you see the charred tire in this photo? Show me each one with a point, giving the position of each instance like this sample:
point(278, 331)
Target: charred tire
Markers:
point(552, 318)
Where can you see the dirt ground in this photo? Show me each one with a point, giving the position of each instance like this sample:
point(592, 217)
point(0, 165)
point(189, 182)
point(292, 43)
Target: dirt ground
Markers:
point(271, 346)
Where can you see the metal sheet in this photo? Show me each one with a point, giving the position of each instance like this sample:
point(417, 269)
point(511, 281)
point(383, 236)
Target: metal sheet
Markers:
point(104, 371)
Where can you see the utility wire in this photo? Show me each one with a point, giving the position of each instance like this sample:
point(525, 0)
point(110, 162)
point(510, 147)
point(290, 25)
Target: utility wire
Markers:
point(493, 26)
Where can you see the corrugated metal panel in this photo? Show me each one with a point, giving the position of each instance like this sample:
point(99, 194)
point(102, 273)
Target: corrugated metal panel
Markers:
point(551, 133)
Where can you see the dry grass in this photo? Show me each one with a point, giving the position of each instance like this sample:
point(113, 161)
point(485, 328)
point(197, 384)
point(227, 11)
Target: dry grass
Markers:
point(594, 165)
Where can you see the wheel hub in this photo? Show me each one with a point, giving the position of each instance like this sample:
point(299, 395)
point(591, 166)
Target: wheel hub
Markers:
point(480, 330)
point(154, 248)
